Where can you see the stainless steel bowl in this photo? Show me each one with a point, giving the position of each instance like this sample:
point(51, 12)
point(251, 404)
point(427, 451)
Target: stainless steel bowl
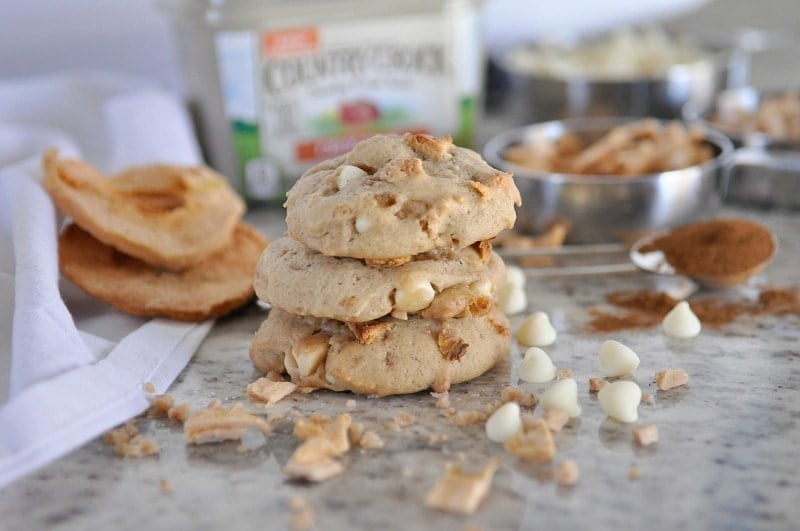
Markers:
point(604, 209)
point(665, 95)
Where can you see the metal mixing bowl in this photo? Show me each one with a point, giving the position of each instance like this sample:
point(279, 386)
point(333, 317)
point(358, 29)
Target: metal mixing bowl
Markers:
point(665, 95)
point(602, 208)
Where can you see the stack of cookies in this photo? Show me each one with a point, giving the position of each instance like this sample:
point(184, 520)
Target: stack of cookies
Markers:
point(156, 240)
point(386, 279)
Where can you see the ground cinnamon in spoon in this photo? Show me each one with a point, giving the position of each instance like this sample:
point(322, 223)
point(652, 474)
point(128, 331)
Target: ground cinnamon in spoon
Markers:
point(715, 248)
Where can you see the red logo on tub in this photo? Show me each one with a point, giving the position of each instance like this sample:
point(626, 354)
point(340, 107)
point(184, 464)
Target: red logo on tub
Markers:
point(289, 41)
point(324, 148)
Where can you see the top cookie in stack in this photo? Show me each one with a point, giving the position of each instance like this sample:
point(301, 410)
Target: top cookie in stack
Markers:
point(385, 283)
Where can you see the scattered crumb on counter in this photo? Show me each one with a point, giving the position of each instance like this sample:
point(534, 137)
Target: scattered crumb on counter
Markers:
point(149, 387)
point(671, 378)
point(165, 485)
point(442, 399)
point(269, 391)
point(436, 439)
point(595, 384)
point(555, 419)
point(128, 442)
point(402, 419)
point(179, 412)
point(216, 423)
point(567, 473)
point(371, 441)
point(564, 373)
point(323, 439)
point(463, 419)
point(533, 443)
point(515, 394)
point(350, 404)
point(302, 518)
point(160, 405)
point(461, 492)
point(645, 435)
point(633, 472)
point(648, 398)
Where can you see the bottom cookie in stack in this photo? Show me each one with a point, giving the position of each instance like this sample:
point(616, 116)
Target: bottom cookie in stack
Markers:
point(387, 356)
point(379, 329)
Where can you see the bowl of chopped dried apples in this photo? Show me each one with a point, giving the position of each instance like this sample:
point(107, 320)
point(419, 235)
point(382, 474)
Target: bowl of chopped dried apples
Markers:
point(613, 179)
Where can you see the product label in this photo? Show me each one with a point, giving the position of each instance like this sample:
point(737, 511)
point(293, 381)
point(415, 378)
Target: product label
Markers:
point(295, 96)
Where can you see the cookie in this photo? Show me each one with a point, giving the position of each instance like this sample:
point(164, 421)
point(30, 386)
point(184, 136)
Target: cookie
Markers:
point(440, 285)
point(217, 285)
point(168, 216)
point(385, 357)
point(394, 196)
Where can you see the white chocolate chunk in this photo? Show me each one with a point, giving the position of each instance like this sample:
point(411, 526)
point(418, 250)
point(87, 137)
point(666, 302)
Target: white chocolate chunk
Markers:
point(504, 423)
point(512, 299)
point(536, 366)
point(620, 400)
point(536, 331)
point(562, 395)
point(515, 276)
point(616, 359)
point(347, 174)
point(363, 224)
point(681, 322)
point(414, 293)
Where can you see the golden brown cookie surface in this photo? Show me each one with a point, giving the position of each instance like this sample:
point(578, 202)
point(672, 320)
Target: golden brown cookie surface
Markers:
point(384, 357)
point(168, 216)
point(219, 284)
point(394, 196)
point(304, 282)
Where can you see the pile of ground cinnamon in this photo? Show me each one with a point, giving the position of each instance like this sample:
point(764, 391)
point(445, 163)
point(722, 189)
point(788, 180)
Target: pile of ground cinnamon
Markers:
point(643, 309)
point(714, 248)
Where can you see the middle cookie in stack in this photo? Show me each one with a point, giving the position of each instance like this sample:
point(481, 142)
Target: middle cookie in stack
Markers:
point(386, 282)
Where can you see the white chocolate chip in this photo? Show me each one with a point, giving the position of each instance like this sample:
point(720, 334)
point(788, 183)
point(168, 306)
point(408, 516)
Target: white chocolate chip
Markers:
point(363, 224)
point(504, 423)
point(681, 322)
point(512, 299)
point(620, 400)
point(515, 276)
point(482, 288)
point(616, 359)
point(562, 395)
point(414, 293)
point(347, 174)
point(536, 366)
point(536, 331)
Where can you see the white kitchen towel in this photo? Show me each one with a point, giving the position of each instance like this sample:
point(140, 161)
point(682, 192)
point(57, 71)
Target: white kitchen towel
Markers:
point(72, 367)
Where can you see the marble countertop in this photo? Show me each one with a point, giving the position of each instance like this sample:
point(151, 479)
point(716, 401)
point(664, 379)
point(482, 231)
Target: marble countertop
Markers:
point(726, 457)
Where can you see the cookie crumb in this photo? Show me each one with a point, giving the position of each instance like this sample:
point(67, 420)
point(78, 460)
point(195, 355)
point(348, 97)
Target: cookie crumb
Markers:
point(149, 387)
point(461, 492)
point(671, 378)
point(402, 420)
point(633, 472)
point(645, 435)
point(555, 419)
point(533, 443)
point(216, 423)
point(463, 419)
point(302, 518)
point(442, 399)
point(515, 394)
point(165, 485)
point(323, 439)
point(269, 391)
point(435, 439)
point(567, 473)
point(595, 384)
point(350, 404)
point(648, 398)
point(128, 442)
point(563, 373)
point(371, 441)
point(179, 413)
point(160, 405)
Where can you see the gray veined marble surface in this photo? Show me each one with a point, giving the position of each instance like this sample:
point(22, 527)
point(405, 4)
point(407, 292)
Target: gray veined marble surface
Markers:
point(727, 458)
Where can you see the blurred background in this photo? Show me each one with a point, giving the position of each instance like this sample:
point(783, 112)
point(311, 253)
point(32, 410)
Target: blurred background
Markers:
point(172, 44)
